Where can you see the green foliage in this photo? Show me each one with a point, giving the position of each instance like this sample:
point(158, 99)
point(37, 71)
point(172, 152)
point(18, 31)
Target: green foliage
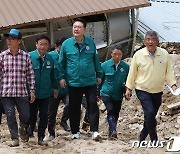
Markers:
point(140, 37)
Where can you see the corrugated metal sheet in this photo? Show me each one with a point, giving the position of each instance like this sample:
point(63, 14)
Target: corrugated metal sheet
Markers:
point(166, 1)
point(24, 12)
point(162, 17)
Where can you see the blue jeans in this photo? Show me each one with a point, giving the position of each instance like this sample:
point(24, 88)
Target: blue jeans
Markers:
point(150, 103)
point(75, 100)
point(22, 105)
point(52, 112)
point(40, 105)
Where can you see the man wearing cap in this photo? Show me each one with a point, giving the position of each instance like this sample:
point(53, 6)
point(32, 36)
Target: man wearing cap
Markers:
point(16, 73)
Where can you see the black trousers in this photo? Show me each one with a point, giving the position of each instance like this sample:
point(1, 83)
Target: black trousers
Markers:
point(75, 99)
point(52, 112)
point(150, 103)
point(40, 105)
point(113, 107)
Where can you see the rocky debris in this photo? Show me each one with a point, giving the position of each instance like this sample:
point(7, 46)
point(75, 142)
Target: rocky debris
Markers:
point(178, 120)
point(173, 48)
point(135, 120)
point(174, 108)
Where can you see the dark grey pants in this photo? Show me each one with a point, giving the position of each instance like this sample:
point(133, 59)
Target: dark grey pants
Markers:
point(113, 107)
point(40, 105)
point(150, 104)
point(52, 112)
point(22, 105)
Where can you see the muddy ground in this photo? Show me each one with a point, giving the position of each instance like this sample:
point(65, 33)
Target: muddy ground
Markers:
point(129, 126)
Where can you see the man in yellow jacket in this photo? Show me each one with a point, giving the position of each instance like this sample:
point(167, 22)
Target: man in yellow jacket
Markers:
point(150, 68)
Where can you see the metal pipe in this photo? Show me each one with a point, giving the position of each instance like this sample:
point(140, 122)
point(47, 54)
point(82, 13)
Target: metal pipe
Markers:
point(50, 31)
point(135, 32)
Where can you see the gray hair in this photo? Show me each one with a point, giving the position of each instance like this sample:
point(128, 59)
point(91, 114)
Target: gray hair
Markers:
point(152, 33)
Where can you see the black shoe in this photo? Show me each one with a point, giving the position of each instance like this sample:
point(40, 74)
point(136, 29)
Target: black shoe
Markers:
point(65, 126)
point(41, 142)
point(113, 134)
point(31, 135)
point(24, 134)
point(142, 143)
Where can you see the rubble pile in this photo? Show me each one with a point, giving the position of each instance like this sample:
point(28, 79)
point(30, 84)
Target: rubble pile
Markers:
point(172, 48)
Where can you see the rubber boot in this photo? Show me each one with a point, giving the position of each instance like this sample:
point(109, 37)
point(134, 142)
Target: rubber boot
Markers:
point(112, 127)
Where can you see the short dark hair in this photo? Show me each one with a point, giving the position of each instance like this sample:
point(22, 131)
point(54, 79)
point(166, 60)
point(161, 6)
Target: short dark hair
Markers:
point(40, 37)
point(60, 41)
point(116, 46)
point(80, 20)
point(152, 33)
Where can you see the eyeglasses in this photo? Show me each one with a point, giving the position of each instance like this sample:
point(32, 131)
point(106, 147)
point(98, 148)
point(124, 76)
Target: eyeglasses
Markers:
point(151, 40)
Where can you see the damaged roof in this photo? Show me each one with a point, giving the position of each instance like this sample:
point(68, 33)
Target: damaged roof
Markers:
point(27, 12)
point(162, 17)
